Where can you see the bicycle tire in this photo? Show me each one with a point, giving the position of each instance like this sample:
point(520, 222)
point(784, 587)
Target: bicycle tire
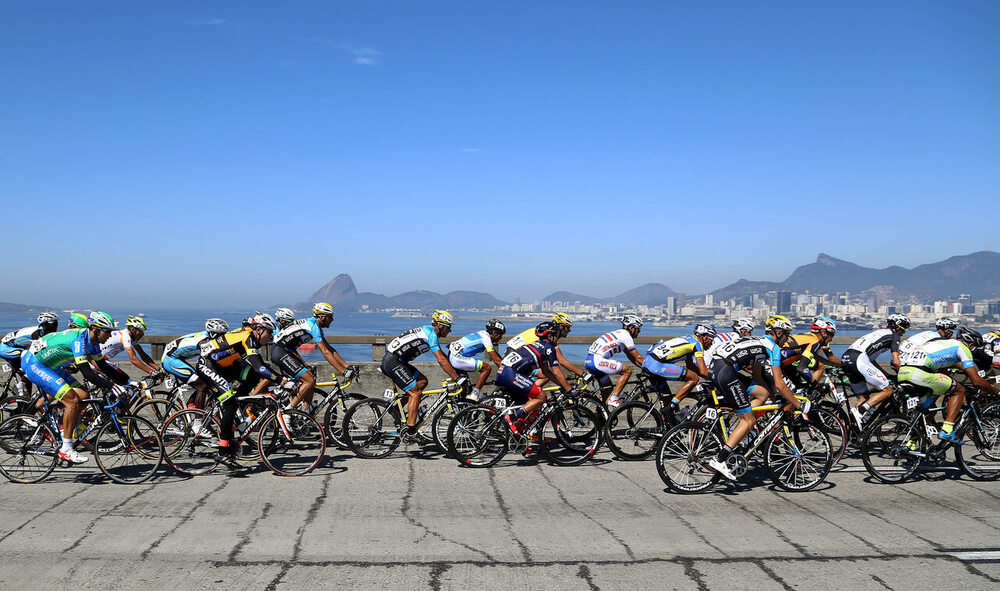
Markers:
point(131, 454)
point(156, 410)
point(442, 420)
point(682, 456)
point(478, 437)
point(372, 428)
point(294, 448)
point(28, 449)
point(633, 430)
point(884, 448)
point(835, 428)
point(248, 449)
point(186, 452)
point(577, 434)
point(14, 405)
point(800, 461)
point(984, 437)
point(333, 418)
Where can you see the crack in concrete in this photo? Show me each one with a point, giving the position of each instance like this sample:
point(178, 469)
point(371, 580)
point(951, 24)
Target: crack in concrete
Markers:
point(584, 573)
point(505, 511)
point(880, 518)
point(184, 519)
point(245, 536)
point(90, 526)
point(841, 528)
point(781, 535)
point(39, 514)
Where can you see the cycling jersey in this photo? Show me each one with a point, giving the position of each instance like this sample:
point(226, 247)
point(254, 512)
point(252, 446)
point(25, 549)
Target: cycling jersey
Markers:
point(472, 344)
point(523, 338)
point(299, 332)
point(414, 343)
point(233, 346)
point(14, 343)
point(676, 349)
point(609, 343)
point(59, 349)
point(187, 347)
point(48, 358)
point(743, 354)
point(875, 343)
point(116, 343)
point(940, 354)
point(720, 339)
point(918, 340)
point(530, 357)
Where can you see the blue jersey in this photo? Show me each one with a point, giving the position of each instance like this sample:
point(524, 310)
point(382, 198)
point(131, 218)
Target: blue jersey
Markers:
point(529, 357)
point(472, 344)
point(414, 343)
point(298, 333)
point(187, 347)
point(14, 343)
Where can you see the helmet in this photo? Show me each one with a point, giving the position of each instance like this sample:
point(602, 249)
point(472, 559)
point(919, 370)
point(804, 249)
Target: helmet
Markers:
point(779, 322)
point(824, 323)
point(442, 317)
point(284, 315)
point(897, 321)
point(101, 320)
point(247, 322)
point(48, 318)
point(630, 320)
point(562, 318)
point(970, 337)
point(545, 329)
point(322, 309)
point(496, 325)
point(263, 321)
point(78, 320)
point(704, 330)
point(743, 324)
point(136, 322)
point(216, 326)
point(946, 323)
point(991, 336)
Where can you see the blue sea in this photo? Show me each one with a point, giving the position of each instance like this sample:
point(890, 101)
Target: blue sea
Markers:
point(177, 322)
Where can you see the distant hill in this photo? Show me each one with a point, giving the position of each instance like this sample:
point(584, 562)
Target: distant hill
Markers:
point(9, 308)
point(565, 296)
point(339, 289)
point(744, 287)
point(342, 293)
point(650, 294)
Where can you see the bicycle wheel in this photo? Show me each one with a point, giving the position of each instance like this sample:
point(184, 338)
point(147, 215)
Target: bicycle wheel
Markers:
point(478, 436)
point(442, 420)
point(799, 458)
point(292, 444)
point(14, 405)
point(887, 445)
point(633, 430)
point(333, 418)
point(682, 456)
point(372, 428)
point(129, 451)
point(156, 410)
point(247, 449)
point(571, 436)
point(835, 428)
point(190, 442)
point(979, 458)
point(28, 449)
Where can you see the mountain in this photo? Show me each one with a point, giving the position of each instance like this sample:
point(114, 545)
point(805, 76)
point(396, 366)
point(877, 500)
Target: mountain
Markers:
point(339, 289)
point(651, 294)
point(342, 293)
point(565, 296)
point(9, 308)
point(744, 287)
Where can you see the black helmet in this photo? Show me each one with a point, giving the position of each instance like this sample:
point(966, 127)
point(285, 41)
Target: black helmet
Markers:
point(496, 325)
point(970, 337)
point(897, 321)
point(544, 329)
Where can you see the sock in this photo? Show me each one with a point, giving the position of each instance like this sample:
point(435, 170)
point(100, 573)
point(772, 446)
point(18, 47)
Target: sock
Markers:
point(674, 402)
point(67, 444)
point(724, 453)
point(519, 413)
point(475, 392)
point(947, 427)
point(864, 407)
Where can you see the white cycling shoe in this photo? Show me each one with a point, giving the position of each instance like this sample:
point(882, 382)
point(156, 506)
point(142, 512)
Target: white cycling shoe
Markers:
point(72, 456)
point(721, 468)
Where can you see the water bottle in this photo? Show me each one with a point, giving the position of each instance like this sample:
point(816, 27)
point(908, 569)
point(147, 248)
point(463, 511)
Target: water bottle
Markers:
point(421, 412)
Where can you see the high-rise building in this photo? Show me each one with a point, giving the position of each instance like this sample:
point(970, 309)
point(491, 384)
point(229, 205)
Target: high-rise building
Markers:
point(783, 302)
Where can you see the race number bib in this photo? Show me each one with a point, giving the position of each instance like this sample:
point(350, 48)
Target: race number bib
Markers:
point(663, 351)
point(512, 358)
point(594, 348)
point(37, 346)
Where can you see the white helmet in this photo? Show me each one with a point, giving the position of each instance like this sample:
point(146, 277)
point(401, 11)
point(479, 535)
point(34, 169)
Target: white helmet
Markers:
point(216, 326)
point(48, 318)
point(743, 324)
point(630, 320)
point(264, 321)
point(284, 315)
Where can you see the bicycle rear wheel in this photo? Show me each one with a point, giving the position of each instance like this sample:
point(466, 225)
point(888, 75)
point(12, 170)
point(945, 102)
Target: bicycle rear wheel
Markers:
point(682, 456)
point(478, 436)
point(292, 444)
point(442, 420)
point(156, 410)
point(333, 418)
point(571, 436)
point(189, 447)
point(14, 405)
point(129, 452)
point(835, 428)
point(887, 447)
point(372, 428)
point(800, 459)
point(979, 458)
point(633, 430)
point(28, 449)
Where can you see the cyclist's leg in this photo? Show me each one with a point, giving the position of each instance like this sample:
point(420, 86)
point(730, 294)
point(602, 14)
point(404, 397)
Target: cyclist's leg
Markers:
point(218, 381)
point(672, 372)
point(602, 369)
point(876, 381)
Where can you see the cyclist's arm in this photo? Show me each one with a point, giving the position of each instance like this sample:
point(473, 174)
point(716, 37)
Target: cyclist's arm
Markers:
point(782, 388)
point(895, 360)
point(495, 358)
point(555, 376)
point(973, 374)
point(262, 369)
point(332, 357)
point(146, 364)
point(442, 360)
point(563, 362)
point(635, 357)
point(701, 369)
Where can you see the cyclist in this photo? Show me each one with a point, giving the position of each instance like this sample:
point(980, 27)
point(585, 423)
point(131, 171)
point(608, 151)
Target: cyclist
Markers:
point(284, 353)
point(232, 356)
point(180, 356)
point(284, 317)
point(992, 340)
point(859, 363)
point(127, 339)
point(807, 355)
point(49, 361)
point(924, 367)
point(516, 374)
point(742, 328)
point(602, 366)
point(13, 344)
point(462, 353)
point(77, 320)
point(407, 347)
point(565, 324)
point(663, 359)
point(944, 328)
point(738, 371)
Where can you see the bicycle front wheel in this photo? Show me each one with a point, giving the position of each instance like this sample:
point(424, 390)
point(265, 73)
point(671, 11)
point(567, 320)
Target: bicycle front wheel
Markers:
point(442, 420)
point(888, 446)
point(333, 418)
point(633, 430)
point(156, 410)
point(190, 442)
point(28, 449)
point(798, 457)
point(129, 450)
point(292, 444)
point(682, 456)
point(979, 458)
point(835, 428)
point(571, 436)
point(371, 428)
point(478, 436)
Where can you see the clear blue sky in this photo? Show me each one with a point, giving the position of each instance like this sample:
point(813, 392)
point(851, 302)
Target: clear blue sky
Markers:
point(177, 154)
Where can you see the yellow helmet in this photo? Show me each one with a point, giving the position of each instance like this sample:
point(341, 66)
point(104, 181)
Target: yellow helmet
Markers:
point(779, 322)
point(561, 318)
point(443, 317)
point(322, 309)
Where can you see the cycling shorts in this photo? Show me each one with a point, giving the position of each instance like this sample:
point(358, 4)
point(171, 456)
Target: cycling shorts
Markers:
point(862, 373)
point(734, 386)
point(463, 363)
point(221, 378)
point(519, 386)
point(937, 383)
point(289, 363)
point(601, 365)
point(54, 382)
point(178, 368)
point(15, 362)
point(400, 372)
point(668, 371)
